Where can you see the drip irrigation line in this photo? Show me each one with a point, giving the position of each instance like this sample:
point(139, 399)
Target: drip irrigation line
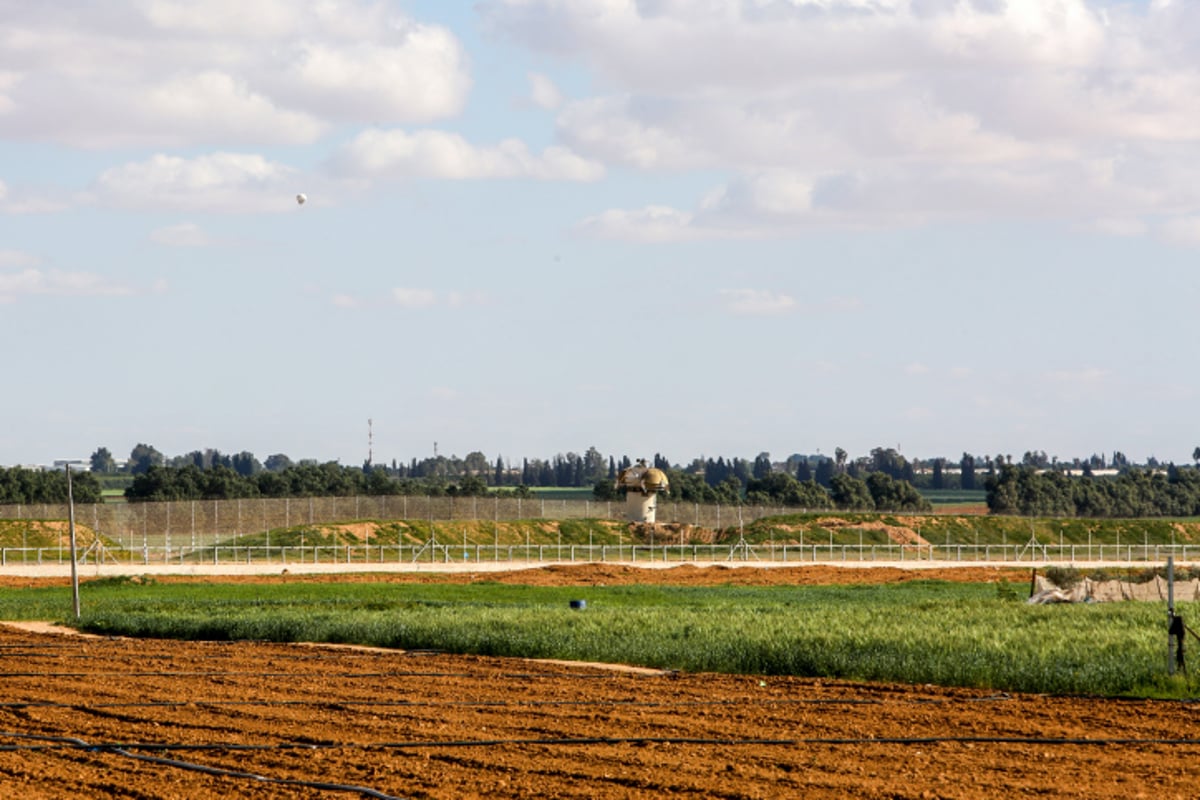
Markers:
point(808, 741)
point(293, 675)
point(62, 743)
point(228, 773)
point(27, 647)
point(229, 674)
point(121, 750)
point(431, 704)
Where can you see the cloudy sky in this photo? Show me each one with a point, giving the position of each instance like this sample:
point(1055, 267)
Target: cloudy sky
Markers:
point(694, 227)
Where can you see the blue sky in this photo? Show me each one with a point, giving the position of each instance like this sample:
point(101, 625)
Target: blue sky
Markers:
point(694, 227)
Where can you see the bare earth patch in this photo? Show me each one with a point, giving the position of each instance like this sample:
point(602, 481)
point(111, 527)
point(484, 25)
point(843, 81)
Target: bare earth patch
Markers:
point(597, 574)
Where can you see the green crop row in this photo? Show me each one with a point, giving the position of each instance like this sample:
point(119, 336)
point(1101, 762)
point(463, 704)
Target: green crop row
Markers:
point(923, 632)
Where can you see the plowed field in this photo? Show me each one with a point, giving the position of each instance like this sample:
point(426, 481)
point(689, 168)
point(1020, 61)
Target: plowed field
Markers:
point(96, 717)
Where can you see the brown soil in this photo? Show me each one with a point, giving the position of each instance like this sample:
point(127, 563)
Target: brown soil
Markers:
point(426, 725)
point(602, 575)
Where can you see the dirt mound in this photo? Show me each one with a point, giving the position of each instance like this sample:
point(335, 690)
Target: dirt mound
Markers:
point(900, 534)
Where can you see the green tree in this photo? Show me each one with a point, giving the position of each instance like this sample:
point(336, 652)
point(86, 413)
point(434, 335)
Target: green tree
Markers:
point(803, 470)
point(277, 462)
point(102, 462)
point(20, 485)
point(825, 472)
point(470, 486)
point(888, 461)
point(142, 457)
point(223, 483)
point(245, 464)
point(476, 463)
point(605, 489)
point(592, 467)
point(729, 491)
point(967, 471)
point(782, 488)
point(939, 477)
point(889, 494)
point(762, 466)
point(850, 494)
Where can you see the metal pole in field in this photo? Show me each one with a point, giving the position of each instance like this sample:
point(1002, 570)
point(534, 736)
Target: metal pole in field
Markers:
point(71, 528)
point(1171, 624)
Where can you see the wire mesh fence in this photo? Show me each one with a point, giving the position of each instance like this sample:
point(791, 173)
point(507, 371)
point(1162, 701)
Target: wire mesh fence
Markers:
point(193, 522)
point(240, 531)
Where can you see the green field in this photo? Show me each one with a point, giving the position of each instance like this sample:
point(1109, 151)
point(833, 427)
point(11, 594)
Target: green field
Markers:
point(564, 492)
point(955, 497)
point(978, 635)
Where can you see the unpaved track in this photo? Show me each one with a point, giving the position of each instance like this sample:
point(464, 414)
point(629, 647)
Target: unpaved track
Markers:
point(428, 725)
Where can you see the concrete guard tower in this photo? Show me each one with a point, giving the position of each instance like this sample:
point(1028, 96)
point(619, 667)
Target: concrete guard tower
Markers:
point(642, 485)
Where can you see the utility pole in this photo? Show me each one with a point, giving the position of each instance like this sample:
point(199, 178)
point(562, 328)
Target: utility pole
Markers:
point(71, 529)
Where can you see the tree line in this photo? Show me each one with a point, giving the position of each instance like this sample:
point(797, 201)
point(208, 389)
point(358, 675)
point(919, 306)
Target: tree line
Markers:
point(20, 486)
point(1136, 492)
point(584, 470)
point(883, 480)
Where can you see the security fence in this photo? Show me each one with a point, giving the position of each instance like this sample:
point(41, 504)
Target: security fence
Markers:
point(435, 553)
point(211, 531)
point(207, 522)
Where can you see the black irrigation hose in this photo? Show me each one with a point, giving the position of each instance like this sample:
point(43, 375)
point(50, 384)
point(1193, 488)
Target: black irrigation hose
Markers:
point(231, 674)
point(769, 701)
point(323, 675)
point(890, 740)
point(227, 773)
point(75, 744)
point(24, 704)
point(121, 750)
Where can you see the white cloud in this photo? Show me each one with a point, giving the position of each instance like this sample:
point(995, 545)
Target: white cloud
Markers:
point(159, 73)
point(1116, 226)
point(34, 281)
point(916, 368)
point(757, 302)
point(438, 154)
point(1181, 231)
point(23, 202)
point(184, 234)
point(421, 77)
point(223, 182)
point(17, 258)
point(413, 298)
point(466, 299)
point(881, 113)
point(543, 92)
point(650, 224)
